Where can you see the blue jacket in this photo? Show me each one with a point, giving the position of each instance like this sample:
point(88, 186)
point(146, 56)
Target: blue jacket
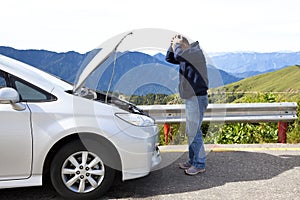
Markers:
point(193, 79)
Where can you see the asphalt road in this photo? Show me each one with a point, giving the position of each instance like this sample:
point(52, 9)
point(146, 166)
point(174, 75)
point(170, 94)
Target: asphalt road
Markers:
point(233, 172)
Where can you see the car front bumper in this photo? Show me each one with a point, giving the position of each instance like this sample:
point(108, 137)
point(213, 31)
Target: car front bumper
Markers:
point(137, 147)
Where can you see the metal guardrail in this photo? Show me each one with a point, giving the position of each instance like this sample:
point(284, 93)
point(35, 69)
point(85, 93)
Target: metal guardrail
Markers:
point(227, 113)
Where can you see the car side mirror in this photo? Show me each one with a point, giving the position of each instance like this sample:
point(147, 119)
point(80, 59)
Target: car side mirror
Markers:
point(11, 96)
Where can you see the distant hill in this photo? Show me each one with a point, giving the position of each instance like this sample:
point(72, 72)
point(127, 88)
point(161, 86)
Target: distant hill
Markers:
point(63, 65)
point(245, 64)
point(284, 81)
point(243, 75)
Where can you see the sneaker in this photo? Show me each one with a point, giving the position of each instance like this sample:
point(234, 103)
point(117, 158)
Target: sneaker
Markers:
point(194, 170)
point(185, 165)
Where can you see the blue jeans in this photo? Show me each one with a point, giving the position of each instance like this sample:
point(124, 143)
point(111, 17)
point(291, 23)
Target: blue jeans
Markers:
point(195, 108)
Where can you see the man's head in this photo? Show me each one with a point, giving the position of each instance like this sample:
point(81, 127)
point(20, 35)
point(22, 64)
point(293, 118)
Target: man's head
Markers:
point(179, 39)
point(185, 43)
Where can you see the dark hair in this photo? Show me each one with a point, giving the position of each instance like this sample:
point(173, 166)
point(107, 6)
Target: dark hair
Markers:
point(185, 40)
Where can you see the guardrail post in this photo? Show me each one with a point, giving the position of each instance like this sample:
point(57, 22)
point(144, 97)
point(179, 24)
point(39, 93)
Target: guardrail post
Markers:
point(282, 128)
point(167, 131)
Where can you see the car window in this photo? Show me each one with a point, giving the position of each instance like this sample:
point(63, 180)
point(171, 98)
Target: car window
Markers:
point(29, 92)
point(2, 80)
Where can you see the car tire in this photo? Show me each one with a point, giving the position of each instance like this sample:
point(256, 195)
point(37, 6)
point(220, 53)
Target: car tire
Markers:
point(80, 172)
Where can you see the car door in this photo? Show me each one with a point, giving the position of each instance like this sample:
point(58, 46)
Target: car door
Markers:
point(15, 140)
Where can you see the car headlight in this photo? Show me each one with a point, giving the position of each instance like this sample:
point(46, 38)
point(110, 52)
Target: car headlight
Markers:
point(136, 119)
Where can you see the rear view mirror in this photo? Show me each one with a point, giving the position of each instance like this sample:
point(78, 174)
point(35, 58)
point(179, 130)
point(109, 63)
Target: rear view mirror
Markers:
point(11, 96)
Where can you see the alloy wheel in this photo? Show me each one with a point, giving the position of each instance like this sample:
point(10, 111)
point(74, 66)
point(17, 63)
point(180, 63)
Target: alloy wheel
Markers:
point(83, 172)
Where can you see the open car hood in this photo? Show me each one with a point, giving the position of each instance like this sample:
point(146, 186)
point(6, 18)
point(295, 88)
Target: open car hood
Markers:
point(104, 53)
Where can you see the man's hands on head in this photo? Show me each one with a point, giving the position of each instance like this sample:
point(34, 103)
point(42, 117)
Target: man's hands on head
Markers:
point(177, 39)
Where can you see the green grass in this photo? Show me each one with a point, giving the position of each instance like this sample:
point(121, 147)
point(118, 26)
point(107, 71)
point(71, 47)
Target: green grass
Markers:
point(284, 82)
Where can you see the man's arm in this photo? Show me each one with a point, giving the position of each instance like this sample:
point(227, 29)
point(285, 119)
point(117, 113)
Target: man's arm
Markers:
point(179, 54)
point(170, 56)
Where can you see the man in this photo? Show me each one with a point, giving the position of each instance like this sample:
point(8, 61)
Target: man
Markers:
point(193, 86)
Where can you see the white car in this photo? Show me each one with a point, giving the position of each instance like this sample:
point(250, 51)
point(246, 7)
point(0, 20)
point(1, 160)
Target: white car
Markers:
point(76, 137)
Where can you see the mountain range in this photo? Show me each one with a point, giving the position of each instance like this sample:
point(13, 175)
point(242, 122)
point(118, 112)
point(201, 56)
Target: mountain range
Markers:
point(246, 64)
point(63, 65)
point(231, 67)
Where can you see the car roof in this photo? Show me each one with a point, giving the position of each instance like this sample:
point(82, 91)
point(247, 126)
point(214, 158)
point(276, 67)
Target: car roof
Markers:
point(33, 75)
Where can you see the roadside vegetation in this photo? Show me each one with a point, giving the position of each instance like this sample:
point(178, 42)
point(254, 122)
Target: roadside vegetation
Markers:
point(279, 86)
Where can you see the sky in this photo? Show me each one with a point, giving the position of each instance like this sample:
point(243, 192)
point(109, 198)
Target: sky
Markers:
point(218, 25)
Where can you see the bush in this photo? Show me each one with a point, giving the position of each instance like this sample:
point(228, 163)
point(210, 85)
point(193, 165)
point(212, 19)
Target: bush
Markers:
point(293, 132)
point(246, 133)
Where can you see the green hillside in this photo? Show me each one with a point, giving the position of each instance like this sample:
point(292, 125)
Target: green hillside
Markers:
point(284, 84)
point(278, 86)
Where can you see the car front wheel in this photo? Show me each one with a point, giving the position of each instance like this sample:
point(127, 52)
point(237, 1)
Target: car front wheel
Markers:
point(80, 173)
